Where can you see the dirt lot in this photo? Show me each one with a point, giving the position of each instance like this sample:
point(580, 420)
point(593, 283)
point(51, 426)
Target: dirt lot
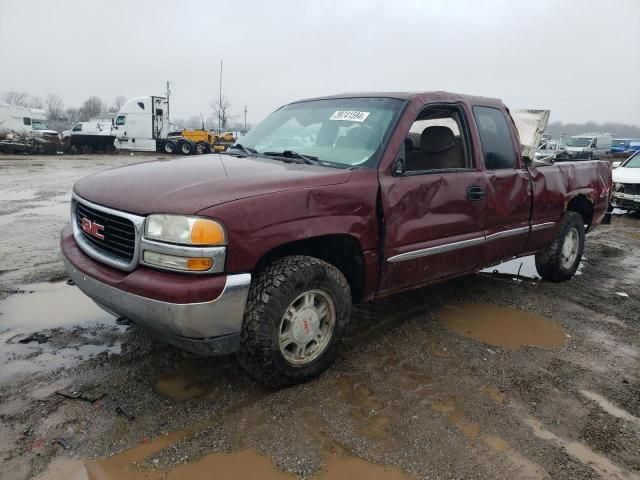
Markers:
point(486, 376)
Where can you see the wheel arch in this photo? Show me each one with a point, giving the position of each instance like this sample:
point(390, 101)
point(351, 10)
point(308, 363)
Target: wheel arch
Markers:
point(343, 251)
point(583, 205)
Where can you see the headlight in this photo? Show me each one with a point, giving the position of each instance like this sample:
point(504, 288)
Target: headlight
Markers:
point(184, 230)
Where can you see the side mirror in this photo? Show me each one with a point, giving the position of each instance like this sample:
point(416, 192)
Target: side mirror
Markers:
point(616, 164)
point(398, 169)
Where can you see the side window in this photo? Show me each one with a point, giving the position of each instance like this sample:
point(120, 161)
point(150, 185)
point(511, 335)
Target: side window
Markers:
point(121, 120)
point(26, 120)
point(495, 138)
point(77, 127)
point(437, 140)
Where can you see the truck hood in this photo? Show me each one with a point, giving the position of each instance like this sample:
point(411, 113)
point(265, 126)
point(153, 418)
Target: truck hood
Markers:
point(190, 184)
point(626, 175)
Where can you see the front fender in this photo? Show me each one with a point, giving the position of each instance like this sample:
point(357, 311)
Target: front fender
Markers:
point(259, 224)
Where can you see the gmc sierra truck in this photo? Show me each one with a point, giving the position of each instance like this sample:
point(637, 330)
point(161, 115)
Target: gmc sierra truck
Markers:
point(262, 250)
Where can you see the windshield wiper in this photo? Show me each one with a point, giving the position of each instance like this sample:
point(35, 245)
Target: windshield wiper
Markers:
point(290, 154)
point(247, 151)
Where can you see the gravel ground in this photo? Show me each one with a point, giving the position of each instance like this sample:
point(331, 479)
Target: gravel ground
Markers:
point(405, 392)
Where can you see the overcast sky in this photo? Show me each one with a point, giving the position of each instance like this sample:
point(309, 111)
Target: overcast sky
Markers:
point(581, 59)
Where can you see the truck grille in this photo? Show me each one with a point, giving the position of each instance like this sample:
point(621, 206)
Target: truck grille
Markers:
point(630, 188)
point(119, 233)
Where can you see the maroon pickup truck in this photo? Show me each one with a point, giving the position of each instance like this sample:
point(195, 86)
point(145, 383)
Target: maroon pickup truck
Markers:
point(262, 250)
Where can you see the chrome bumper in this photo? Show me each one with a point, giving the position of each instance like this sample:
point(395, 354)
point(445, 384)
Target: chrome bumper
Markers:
point(208, 328)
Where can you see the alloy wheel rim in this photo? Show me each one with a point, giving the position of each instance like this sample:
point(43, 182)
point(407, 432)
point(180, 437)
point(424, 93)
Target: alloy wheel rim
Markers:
point(307, 327)
point(570, 248)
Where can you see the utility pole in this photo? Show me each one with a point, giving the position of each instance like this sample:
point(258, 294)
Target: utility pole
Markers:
point(245, 118)
point(220, 103)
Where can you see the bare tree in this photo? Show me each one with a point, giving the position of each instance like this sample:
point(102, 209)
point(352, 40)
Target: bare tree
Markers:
point(36, 102)
point(54, 106)
point(19, 99)
point(72, 114)
point(222, 111)
point(117, 104)
point(92, 107)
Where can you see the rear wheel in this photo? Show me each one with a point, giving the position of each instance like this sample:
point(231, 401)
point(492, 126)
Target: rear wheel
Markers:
point(297, 310)
point(560, 261)
point(186, 148)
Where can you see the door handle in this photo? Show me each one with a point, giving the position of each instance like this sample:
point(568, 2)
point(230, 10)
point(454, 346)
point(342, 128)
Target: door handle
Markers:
point(475, 193)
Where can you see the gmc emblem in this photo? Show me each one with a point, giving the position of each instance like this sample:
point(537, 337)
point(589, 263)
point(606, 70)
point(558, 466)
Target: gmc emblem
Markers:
point(92, 228)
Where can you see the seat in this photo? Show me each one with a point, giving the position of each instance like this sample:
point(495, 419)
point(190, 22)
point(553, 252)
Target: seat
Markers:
point(438, 150)
point(356, 137)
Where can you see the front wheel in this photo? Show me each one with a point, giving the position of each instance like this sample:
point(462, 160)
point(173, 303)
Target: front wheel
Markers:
point(560, 261)
point(169, 147)
point(297, 309)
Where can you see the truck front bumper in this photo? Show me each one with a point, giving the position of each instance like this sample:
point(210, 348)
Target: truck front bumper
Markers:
point(209, 326)
point(626, 201)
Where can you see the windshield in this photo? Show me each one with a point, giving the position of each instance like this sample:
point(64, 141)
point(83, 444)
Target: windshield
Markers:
point(633, 161)
point(619, 143)
point(579, 142)
point(39, 125)
point(343, 131)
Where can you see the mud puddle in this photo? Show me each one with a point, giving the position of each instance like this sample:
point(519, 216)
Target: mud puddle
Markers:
point(600, 464)
point(50, 326)
point(178, 387)
point(609, 407)
point(245, 464)
point(454, 414)
point(50, 305)
point(502, 327)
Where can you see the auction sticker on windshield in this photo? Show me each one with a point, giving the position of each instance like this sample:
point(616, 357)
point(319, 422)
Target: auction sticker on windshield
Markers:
point(350, 115)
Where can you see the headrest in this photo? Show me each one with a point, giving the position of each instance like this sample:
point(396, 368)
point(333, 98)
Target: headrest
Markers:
point(408, 144)
point(437, 139)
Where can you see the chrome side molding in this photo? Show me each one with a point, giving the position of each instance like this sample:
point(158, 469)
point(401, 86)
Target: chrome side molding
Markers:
point(472, 242)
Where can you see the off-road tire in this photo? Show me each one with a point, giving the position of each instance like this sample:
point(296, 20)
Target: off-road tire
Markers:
point(271, 293)
point(549, 262)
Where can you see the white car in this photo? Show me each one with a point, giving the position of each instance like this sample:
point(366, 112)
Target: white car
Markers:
point(626, 184)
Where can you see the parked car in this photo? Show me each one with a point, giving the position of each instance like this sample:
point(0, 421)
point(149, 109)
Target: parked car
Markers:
point(626, 184)
point(634, 146)
point(587, 146)
point(619, 145)
point(262, 252)
point(548, 149)
point(89, 136)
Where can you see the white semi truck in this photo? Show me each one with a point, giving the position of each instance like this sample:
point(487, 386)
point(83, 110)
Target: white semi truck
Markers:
point(142, 124)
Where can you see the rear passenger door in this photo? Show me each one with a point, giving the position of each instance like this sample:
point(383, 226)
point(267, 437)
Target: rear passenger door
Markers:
point(433, 202)
point(508, 194)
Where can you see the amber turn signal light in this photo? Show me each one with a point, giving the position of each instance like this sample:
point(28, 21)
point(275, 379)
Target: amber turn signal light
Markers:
point(207, 232)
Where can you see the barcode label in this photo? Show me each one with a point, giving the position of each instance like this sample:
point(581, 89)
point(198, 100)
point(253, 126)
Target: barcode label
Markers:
point(350, 115)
